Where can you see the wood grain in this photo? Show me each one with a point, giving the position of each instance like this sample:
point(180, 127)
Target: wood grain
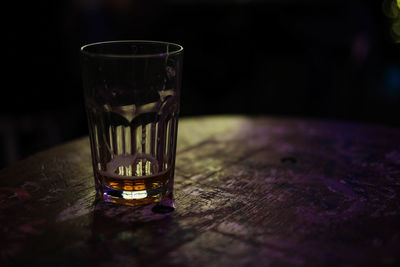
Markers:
point(248, 191)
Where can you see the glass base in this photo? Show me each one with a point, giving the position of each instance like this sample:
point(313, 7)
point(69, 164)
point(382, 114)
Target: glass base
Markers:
point(134, 191)
point(132, 198)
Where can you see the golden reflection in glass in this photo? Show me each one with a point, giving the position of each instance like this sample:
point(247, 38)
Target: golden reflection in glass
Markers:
point(142, 168)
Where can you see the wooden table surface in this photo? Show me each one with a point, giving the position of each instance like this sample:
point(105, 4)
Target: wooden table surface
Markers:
point(248, 192)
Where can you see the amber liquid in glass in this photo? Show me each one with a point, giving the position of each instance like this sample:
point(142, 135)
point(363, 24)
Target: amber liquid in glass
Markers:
point(133, 148)
point(135, 191)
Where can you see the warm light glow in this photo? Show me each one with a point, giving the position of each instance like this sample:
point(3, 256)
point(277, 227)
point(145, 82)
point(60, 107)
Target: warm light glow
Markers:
point(114, 185)
point(134, 194)
point(391, 8)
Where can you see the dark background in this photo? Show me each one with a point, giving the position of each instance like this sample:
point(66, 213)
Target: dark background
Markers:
point(316, 59)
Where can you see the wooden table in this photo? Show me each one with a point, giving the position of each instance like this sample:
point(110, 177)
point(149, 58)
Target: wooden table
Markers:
point(249, 192)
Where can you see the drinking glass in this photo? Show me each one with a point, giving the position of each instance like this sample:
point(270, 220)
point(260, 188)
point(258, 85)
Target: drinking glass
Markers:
point(131, 91)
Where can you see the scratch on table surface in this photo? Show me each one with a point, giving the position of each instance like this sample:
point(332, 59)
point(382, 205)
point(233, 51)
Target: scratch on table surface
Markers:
point(197, 177)
point(79, 208)
point(194, 191)
point(340, 188)
point(233, 228)
point(21, 194)
point(34, 186)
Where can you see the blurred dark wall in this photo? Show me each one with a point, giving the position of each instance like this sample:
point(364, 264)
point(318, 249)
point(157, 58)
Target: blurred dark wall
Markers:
point(320, 59)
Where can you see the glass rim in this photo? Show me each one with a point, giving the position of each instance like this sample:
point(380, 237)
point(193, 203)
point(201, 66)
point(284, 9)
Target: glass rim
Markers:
point(179, 49)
